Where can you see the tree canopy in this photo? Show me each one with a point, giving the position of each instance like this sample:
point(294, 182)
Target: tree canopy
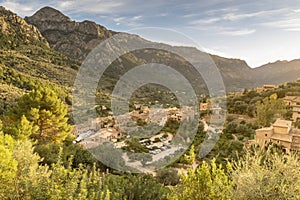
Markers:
point(267, 110)
point(42, 115)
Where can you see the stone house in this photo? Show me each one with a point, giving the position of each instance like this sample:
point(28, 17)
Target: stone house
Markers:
point(294, 102)
point(281, 133)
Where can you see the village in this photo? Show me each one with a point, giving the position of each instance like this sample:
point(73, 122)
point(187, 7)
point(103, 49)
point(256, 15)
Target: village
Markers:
point(114, 129)
point(282, 132)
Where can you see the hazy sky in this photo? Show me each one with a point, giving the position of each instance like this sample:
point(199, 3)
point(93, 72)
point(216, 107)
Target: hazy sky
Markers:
point(258, 31)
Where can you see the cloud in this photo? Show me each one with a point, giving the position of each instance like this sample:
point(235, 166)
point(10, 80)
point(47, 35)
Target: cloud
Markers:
point(205, 21)
point(236, 17)
point(89, 6)
point(138, 17)
point(190, 15)
point(131, 22)
point(238, 32)
point(119, 19)
point(222, 10)
point(18, 7)
point(289, 22)
point(65, 4)
point(225, 18)
point(27, 8)
point(162, 14)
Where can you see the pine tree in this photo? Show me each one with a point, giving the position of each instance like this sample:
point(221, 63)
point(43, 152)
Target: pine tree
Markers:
point(8, 165)
point(190, 157)
point(208, 181)
point(23, 129)
point(46, 112)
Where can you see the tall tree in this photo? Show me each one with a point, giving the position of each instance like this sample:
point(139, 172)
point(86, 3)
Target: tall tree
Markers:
point(190, 157)
point(47, 113)
point(8, 165)
point(208, 181)
point(267, 110)
point(23, 129)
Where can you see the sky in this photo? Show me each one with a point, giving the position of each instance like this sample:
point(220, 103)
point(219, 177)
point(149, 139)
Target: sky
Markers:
point(257, 31)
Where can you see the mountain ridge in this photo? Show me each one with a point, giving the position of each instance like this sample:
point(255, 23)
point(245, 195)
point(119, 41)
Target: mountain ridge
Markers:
point(15, 31)
point(236, 72)
point(77, 39)
point(74, 39)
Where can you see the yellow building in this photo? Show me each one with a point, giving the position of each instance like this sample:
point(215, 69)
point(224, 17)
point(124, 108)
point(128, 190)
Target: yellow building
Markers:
point(281, 133)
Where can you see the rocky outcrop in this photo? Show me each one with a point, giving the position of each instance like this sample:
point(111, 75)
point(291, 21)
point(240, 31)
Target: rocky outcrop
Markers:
point(75, 39)
point(16, 31)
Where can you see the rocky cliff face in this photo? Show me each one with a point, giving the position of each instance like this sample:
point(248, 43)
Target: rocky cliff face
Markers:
point(15, 31)
point(75, 39)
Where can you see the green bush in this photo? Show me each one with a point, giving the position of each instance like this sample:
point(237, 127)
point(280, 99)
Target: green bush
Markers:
point(168, 176)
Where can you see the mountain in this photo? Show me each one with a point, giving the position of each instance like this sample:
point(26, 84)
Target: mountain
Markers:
point(27, 61)
point(74, 39)
point(48, 48)
point(14, 31)
point(277, 72)
point(77, 39)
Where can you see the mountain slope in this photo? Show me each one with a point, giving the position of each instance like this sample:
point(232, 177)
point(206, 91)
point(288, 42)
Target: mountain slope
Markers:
point(77, 39)
point(31, 56)
point(278, 72)
point(27, 61)
point(14, 31)
point(74, 39)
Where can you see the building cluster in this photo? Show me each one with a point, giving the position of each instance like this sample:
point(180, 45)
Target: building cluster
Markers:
point(99, 130)
point(282, 132)
point(96, 131)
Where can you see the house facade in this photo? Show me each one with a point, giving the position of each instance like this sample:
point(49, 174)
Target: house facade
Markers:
point(296, 113)
point(294, 102)
point(280, 133)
